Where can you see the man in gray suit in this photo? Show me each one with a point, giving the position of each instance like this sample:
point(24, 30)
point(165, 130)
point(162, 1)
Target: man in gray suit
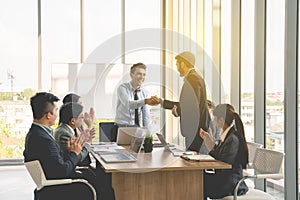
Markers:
point(71, 118)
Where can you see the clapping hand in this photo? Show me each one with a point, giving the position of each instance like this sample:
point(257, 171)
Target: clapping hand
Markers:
point(92, 114)
point(75, 145)
point(92, 133)
point(208, 138)
point(88, 135)
point(89, 118)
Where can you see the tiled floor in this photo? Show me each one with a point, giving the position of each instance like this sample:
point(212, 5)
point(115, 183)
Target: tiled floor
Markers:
point(15, 183)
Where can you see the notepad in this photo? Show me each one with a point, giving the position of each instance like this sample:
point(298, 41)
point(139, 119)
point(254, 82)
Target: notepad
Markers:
point(200, 157)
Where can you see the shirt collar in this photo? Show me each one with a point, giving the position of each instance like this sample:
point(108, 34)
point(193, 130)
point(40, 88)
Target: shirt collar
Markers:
point(46, 128)
point(224, 133)
point(72, 130)
point(133, 88)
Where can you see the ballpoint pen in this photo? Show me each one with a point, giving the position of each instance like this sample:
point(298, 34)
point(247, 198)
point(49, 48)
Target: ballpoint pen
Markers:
point(188, 153)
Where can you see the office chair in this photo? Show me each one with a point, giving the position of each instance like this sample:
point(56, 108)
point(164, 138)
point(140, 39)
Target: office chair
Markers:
point(105, 129)
point(37, 174)
point(252, 149)
point(266, 164)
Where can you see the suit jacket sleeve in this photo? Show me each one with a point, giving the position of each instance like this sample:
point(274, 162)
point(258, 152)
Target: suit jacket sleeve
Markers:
point(228, 150)
point(167, 104)
point(62, 136)
point(39, 145)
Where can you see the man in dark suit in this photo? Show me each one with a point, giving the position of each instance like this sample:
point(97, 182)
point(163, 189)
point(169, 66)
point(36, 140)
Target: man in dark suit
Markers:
point(192, 106)
point(41, 145)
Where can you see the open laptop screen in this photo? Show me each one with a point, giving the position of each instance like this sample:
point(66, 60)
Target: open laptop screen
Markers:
point(125, 135)
point(136, 144)
point(130, 156)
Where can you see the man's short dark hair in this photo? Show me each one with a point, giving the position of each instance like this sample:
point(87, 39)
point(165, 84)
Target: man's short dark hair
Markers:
point(72, 97)
point(137, 65)
point(42, 103)
point(187, 57)
point(68, 111)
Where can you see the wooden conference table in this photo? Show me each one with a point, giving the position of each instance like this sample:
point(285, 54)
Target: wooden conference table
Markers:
point(158, 175)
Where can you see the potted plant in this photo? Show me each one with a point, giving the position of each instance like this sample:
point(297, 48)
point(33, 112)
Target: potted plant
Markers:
point(148, 145)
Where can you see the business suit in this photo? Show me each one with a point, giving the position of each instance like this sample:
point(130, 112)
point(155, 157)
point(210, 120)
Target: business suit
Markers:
point(41, 145)
point(62, 134)
point(222, 183)
point(192, 109)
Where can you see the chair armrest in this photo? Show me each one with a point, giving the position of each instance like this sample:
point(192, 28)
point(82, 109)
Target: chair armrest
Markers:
point(57, 182)
point(238, 185)
point(255, 176)
point(80, 169)
point(79, 181)
point(69, 181)
point(272, 176)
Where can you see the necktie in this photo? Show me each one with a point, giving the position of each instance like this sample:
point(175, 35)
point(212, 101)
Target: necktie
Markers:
point(75, 131)
point(136, 111)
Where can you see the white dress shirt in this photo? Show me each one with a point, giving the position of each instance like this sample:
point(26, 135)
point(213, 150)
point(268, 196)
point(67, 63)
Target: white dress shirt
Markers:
point(126, 106)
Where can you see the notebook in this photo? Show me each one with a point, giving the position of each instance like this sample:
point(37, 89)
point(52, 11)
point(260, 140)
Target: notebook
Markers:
point(126, 156)
point(175, 151)
point(125, 134)
point(199, 158)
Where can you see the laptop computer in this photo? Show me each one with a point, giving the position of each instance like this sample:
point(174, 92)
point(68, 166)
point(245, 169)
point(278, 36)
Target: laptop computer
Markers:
point(175, 151)
point(125, 134)
point(126, 156)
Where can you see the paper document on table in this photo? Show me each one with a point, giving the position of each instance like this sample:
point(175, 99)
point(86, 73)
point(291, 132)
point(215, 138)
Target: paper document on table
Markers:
point(182, 153)
point(106, 149)
point(200, 157)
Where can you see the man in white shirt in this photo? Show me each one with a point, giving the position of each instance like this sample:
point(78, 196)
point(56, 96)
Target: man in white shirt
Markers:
point(132, 109)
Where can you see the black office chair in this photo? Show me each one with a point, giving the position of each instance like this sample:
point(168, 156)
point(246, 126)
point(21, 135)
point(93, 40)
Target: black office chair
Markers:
point(106, 132)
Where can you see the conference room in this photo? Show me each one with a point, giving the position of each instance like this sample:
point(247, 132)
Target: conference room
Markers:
point(245, 51)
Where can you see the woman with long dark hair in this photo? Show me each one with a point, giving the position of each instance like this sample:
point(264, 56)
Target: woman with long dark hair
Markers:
point(231, 148)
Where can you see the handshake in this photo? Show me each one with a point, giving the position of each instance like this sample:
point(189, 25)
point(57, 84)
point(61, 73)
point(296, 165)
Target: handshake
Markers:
point(152, 101)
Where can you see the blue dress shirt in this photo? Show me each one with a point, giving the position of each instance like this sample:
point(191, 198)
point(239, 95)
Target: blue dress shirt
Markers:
point(126, 106)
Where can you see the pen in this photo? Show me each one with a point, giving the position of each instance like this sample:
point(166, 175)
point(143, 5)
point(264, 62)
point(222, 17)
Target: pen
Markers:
point(188, 153)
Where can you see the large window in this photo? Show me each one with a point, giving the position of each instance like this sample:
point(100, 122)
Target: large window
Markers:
point(81, 51)
point(18, 73)
point(247, 67)
point(225, 51)
point(60, 34)
point(275, 135)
